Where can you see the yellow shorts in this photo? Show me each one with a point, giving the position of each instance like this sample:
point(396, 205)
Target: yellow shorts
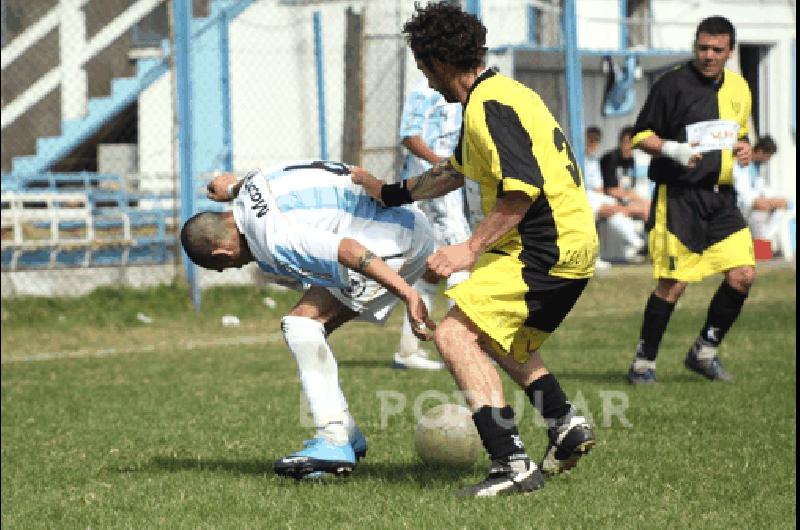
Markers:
point(515, 307)
point(697, 232)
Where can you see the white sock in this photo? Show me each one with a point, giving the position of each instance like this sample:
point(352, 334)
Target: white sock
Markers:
point(409, 343)
point(319, 375)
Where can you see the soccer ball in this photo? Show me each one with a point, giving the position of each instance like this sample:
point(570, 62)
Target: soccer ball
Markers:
point(446, 435)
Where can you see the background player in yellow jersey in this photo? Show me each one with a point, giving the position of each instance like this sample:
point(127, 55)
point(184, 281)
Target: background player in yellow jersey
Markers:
point(530, 257)
point(694, 124)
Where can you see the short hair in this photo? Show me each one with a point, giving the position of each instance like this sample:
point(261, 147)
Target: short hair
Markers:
point(202, 234)
point(716, 25)
point(766, 144)
point(594, 130)
point(626, 131)
point(444, 32)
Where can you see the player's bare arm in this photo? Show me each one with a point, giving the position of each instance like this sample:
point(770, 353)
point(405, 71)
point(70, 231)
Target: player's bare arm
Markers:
point(507, 214)
point(439, 180)
point(357, 257)
point(224, 188)
point(420, 149)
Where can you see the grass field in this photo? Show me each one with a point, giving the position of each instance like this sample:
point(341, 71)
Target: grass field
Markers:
point(111, 422)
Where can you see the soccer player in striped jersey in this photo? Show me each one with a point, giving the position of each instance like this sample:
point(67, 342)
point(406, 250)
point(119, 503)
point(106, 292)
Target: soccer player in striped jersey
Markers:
point(307, 221)
point(530, 257)
point(694, 124)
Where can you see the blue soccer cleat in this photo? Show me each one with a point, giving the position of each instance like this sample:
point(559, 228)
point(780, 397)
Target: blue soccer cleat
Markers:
point(359, 444)
point(319, 457)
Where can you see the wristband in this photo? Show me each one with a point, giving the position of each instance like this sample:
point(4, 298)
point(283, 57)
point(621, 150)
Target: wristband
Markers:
point(679, 152)
point(230, 191)
point(396, 194)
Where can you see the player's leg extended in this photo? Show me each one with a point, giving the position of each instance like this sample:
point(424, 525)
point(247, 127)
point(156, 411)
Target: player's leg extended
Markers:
point(333, 449)
point(511, 470)
point(657, 313)
point(723, 311)
point(569, 434)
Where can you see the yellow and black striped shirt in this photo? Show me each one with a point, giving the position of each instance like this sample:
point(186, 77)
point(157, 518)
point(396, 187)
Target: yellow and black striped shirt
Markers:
point(684, 97)
point(510, 142)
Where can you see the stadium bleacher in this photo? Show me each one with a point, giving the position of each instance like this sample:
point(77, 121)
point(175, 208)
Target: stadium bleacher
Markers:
point(86, 219)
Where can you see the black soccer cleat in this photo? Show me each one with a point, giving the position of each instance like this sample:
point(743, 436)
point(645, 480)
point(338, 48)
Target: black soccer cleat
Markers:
point(507, 476)
point(642, 372)
point(703, 359)
point(569, 441)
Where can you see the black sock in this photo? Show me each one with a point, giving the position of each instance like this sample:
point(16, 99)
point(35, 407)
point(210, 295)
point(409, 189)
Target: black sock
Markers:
point(657, 313)
point(722, 313)
point(498, 430)
point(547, 397)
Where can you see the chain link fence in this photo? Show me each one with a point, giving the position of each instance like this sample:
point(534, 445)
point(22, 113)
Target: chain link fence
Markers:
point(90, 170)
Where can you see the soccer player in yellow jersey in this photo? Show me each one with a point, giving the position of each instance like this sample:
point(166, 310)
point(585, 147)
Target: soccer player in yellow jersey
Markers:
point(530, 258)
point(694, 124)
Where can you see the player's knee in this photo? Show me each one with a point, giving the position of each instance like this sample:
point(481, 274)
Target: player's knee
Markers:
point(294, 326)
point(670, 290)
point(742, 278)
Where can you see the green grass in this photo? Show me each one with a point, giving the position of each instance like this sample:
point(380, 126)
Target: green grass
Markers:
point(160, 426)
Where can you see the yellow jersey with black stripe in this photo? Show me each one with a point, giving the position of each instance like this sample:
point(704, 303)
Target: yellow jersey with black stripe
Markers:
point(684, 105)
point(510, 142)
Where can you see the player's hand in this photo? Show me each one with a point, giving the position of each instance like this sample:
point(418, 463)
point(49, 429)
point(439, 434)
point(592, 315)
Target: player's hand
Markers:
point(371, 185)
point(450, 259)
point(421, 324)
point(743, 152)
point(217, 189)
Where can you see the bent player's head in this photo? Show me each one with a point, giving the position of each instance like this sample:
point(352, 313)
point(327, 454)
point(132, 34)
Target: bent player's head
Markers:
point(764, 149)
point(445, 40)
point(212, 241)
point(713, 43)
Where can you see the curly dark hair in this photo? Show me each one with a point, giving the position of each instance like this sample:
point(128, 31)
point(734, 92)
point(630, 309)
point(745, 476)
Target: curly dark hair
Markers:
point(443, 31)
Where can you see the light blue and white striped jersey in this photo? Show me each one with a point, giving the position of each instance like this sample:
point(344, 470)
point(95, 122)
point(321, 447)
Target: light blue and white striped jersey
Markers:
point(426, 114)
point(295, 215)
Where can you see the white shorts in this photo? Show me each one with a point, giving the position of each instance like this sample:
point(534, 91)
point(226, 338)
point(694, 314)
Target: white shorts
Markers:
point(369, 298)
point(447, 218)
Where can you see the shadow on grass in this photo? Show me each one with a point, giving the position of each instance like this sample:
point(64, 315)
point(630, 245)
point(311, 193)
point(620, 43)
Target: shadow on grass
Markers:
point(593, 376)
point(366, 363)
point(418, 473)
point(619, 376)
point(395, 472)
point(174, 464)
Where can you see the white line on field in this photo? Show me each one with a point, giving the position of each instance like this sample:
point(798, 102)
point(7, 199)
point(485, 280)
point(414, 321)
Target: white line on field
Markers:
point(107, 352)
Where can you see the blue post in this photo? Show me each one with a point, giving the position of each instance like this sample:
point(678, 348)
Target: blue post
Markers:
point(225, 89)
point(623, 24)
point(182, 14)
point(533, 20)
point(474, 7)
point(574, 78)
point(320, 61)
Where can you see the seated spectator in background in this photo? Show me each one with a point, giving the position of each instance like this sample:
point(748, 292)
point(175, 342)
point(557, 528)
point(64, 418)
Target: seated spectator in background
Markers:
point(769, 217)
point(618, 216)
point(619, 179)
